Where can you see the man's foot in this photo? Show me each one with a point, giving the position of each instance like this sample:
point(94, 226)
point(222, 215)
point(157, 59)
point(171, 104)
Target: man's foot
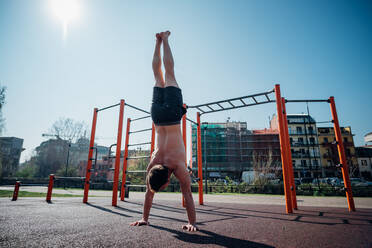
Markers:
point(165, 35)
point(158, 38)
point(189, 227)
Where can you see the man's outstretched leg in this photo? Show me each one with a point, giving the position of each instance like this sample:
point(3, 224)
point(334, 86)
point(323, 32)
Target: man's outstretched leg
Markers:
point(170, 78)
point(156, 64)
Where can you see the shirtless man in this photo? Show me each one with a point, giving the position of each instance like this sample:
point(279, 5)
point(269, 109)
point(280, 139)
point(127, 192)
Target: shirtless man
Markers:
point(169, 155)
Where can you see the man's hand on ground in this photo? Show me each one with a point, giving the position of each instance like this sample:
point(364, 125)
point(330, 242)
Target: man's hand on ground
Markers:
point(140, 223)
point(189, 227)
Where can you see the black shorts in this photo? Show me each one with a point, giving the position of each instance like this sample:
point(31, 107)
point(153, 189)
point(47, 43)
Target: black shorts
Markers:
point(167, 106)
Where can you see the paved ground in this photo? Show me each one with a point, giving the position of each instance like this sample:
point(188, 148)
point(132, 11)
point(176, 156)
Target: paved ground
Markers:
point(226, 221)
point(311, 201)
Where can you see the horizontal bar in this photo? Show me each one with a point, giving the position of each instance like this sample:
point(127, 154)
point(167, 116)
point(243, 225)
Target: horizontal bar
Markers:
point(139, 109)
point(108, 107)
point(310, 100)
point(139, 144)
point(81, 178)
point(242, 106)
point(232, 104)
point(191, 121)
point(200, 109)
point(29, 185)
point(136, 185)
point(331, 121)
point(137, 171)
point(143, 130)
point(140, 118)
point(232, 99)
point(210, 107)
point(138, 157)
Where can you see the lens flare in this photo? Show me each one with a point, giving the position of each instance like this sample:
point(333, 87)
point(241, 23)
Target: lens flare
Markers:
point(66, 11)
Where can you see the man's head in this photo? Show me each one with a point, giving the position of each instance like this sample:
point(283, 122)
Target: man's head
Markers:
point(158, 177)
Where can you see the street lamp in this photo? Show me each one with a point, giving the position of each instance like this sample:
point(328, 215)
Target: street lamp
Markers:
point(205, 158)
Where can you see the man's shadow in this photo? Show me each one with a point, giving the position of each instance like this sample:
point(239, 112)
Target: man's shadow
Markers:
point(211, 238)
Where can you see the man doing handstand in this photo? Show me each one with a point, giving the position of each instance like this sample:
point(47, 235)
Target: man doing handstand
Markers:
point(169, 155)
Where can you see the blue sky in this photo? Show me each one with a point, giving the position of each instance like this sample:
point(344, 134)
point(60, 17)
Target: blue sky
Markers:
point(222, 49)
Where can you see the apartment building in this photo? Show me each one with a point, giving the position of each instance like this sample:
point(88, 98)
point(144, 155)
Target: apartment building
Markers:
point(329, 152)
point(10, 154)
point(364, 156)
point(304, 144)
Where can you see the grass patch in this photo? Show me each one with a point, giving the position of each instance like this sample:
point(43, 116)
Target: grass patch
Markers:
point(9, 193)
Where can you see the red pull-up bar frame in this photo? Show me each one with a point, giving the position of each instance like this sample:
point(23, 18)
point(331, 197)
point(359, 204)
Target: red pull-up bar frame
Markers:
point(287, 167)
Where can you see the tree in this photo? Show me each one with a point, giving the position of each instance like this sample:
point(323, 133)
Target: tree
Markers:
point(51, 155)
point(27, 169)
point(68, 129)
point(264, 165)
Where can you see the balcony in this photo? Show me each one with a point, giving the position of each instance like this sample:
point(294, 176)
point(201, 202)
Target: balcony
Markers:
point(302, 133)
point(304, 144)
point(305, 155)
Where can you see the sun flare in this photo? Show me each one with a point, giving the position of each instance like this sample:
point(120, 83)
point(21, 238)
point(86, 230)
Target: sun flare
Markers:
point(66, 11)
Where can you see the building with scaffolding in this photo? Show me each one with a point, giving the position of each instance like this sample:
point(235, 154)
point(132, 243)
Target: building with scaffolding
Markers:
point(230, 148)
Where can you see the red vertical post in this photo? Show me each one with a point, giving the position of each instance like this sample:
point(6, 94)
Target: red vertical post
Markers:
point(125, 162)
point(90, 156)
point(50, 188)
point(342, 156)
point(190, 163)
point(184, 142)
point(152, 139)
point(289, 157)
point(200, 165)
point(118, 155)
point(287, 191)
point(16, 189)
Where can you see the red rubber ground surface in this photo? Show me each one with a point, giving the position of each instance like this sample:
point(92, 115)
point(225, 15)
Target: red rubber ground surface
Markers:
point(67, 222)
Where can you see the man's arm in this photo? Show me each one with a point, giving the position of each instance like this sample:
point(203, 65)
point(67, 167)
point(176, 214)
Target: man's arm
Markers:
point(184, 179)
point(149, 196)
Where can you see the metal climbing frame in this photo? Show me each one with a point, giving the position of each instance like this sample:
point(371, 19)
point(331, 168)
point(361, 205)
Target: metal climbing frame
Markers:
point(127, 145)
point(126, 149)
point(340, 147)
point(122, 104)
point(287, 167)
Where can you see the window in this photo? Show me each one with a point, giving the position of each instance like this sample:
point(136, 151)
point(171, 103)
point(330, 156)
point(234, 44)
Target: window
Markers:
point(293, 163)
point(329, 163)
point(303, 162)
point(348, 153)
point(301, 140)
point(345, 139)
point(291, 140)
point(315, 162)
point(325, 140)
point(312, 140)
point(311, 130)
point(364, 162)
point(299, 130)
